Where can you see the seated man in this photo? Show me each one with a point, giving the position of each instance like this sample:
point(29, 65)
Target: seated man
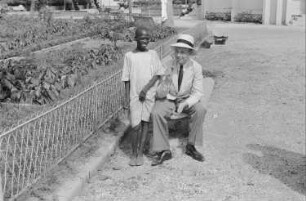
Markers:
point(186, 75)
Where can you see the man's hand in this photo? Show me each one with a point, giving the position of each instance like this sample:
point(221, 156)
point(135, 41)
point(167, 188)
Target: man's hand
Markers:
point(142, 95)
point(182, 106)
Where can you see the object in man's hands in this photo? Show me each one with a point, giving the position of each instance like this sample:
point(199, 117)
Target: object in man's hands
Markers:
point(176, 115)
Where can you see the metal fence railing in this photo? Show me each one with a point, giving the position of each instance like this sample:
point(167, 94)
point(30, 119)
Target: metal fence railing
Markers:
point(33, 147)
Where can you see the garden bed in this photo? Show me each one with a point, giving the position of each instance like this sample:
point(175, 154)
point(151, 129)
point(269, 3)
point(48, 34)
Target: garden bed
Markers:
point(248, 17)
point(10, 114)
point(12, 111)
point(218, 16)
point(23, 34)
point(51, 76)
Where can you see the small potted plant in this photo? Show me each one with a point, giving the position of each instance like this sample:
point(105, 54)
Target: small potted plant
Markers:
point(220, 40)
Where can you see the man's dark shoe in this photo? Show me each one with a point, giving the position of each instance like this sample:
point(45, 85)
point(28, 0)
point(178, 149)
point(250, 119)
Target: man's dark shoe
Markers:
point(193, 153)
point(161, 157)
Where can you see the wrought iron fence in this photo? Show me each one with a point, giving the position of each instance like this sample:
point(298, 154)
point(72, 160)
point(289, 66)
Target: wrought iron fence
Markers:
point(32, 148)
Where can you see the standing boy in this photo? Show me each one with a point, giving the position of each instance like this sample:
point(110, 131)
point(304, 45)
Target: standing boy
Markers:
point(142, 68)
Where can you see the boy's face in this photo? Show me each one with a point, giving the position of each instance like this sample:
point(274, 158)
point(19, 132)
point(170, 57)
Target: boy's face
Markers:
point(142, 39)
point(142, 43)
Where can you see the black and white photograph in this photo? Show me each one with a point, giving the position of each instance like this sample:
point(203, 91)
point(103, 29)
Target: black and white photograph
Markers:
point(152, 100)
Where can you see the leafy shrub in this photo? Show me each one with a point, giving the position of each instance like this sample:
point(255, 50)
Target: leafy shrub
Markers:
point(23, 34)
point(222, 16)
point(40, 81)
point(184, 1)
point(161, 32)
point(142, 3)
point(118, 32)
point(248, 17)
point(18, 2)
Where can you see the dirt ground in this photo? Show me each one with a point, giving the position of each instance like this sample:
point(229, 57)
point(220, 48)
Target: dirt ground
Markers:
point(254, 133)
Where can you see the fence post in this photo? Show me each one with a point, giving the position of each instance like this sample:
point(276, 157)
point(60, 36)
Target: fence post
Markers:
point(161, 51)
point(130, 2)
point(1, 192)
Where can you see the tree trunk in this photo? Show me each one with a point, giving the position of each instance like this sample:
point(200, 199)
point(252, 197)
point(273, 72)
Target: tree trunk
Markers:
point(169, 21)
point(97, 4)
point(75, 5)
point(1, 193)
point(202, 10)
point(32, 8)
point(130, 10)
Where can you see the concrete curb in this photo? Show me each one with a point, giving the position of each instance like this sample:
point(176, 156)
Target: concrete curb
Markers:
point(71, 188)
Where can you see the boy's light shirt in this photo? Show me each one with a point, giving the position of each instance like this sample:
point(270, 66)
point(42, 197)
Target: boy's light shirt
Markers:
point(138, 69)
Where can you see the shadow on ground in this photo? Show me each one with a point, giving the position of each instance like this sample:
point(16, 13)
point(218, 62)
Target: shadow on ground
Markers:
point(286, 166)
point(177, 130)
point(125, 142)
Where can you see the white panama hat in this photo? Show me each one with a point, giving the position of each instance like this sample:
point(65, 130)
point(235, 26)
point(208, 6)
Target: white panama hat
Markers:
point(185, 41)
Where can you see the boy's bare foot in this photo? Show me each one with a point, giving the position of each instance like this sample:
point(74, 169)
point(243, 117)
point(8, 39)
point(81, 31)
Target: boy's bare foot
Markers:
point(140, 160)
point(133, 161)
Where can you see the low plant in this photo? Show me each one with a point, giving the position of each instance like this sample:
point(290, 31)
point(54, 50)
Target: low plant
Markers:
point(142, 3)
point(248, 17)
point(41, 80)
point(222, 16)
point(21, 35)
point(161, 32)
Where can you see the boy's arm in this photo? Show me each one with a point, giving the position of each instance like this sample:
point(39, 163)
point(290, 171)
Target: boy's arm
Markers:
point(126, 95)
point(143, 93)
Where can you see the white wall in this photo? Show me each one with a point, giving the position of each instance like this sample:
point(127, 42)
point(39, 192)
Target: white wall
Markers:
point(275, 10)
point(273, 7)
point(109, 3)
point(292, 7)
point(296, 7)
point(218, 5)
point(252, 6)
point(303, 7)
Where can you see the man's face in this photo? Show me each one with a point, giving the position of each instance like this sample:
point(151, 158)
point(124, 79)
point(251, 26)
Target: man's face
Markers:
point(181, 55)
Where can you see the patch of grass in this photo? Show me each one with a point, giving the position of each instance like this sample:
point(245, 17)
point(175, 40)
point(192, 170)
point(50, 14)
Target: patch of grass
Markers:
point(249, 17)
point(212, 73)
point(222, 16)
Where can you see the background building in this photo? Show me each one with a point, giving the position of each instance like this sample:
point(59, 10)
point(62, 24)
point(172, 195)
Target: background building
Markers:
point(272, 11)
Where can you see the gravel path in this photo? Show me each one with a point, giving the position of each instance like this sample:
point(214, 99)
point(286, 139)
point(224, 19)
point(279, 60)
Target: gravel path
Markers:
point(254, 133)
